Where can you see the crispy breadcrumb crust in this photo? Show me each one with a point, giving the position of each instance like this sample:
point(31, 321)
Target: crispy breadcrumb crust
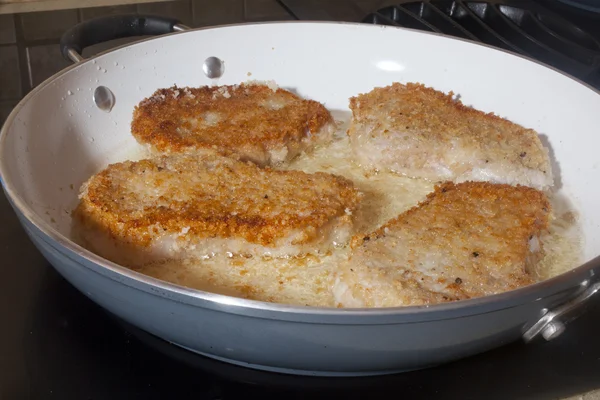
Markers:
point(433, 118)
point(208, 195)
point(250, 119)
point(480, 231)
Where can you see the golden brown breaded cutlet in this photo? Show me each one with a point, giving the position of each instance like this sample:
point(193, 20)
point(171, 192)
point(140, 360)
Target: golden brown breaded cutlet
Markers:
point(420, 132)
point(465, 240)
point(262, 123)
point(203, 203)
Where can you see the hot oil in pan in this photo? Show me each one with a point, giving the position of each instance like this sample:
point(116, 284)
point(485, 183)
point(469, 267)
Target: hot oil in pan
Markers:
point(563, 243)
point(307, 281)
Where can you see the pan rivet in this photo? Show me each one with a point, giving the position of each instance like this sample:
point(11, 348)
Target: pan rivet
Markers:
point(553, 330)
point(213, 67)
point(104, 98)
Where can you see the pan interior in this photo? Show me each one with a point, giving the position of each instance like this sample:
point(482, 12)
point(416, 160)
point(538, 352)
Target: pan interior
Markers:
point(57, 137)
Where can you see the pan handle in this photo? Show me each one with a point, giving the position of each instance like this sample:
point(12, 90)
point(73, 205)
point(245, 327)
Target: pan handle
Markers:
point(103, 29)
point(553, 322)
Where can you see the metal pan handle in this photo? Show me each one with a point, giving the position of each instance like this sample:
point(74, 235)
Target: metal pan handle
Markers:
point(553, 322)
point(103, 29)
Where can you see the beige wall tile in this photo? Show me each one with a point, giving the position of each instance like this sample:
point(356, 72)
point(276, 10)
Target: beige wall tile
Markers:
point(89, 13)
point(369, 6)
point(179, 9)
point(47, 25)
point(210, 12)
point(7, 29)
point(10, 78)
point(264, 10)
point(5, 109)
point(326, 10)
point(44, 61)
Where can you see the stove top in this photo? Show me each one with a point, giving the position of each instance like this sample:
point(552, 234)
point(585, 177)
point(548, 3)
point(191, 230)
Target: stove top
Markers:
point(55, 343)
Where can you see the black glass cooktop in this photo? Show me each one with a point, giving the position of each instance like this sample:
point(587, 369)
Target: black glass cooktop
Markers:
point(57, 344)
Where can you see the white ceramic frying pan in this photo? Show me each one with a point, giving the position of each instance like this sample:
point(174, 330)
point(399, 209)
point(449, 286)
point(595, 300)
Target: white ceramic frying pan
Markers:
point(58, 136)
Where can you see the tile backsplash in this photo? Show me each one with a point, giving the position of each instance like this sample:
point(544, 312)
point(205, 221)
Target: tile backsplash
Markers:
point(207, 12)
point(43, 61)
point(29, 51)
point(7, 29)
point(10, 88)
point(46, 25)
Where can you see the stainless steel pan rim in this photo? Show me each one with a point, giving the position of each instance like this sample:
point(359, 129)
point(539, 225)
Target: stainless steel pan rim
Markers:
point(537, 291)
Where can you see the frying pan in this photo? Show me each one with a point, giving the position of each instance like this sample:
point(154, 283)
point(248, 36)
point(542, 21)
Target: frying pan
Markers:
point(77, 122)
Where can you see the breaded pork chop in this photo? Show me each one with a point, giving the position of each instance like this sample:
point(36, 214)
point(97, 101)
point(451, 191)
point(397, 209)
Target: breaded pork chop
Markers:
point(201, 204)
point(419, 132)
point(465, 240)
point(264, 124)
